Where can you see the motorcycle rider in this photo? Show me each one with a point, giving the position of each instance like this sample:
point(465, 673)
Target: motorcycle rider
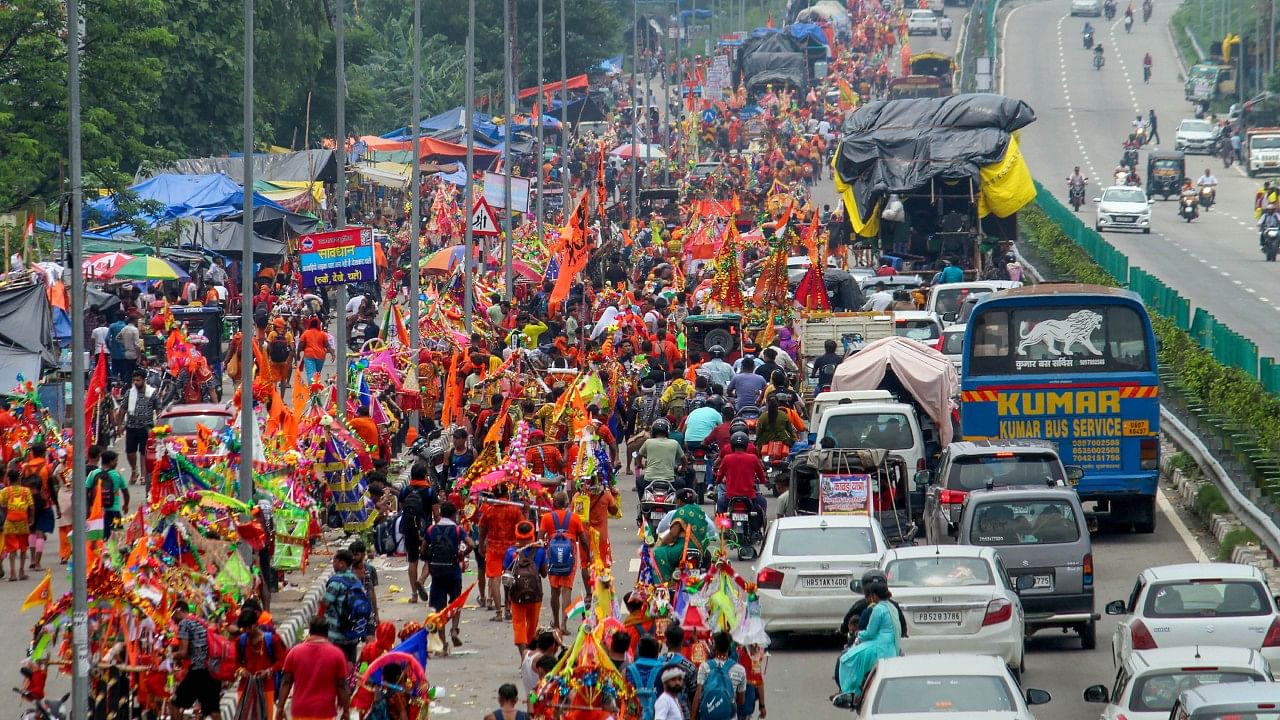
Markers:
point(716, 369)
point(1207, 180)
point(1098, 53)
point(1270, 218)
point(1121, 174)
point(1140, 129)
point(1076, 183)
point(1189, 194)
point(1088, 28)
point(1133, 179)
point(737, 475)
point(944, 27)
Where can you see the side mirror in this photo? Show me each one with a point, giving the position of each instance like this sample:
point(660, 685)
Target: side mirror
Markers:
point(1097, 199)
point(922, 478)
point(1023, 582)
point(1151, 202)
point(855, 586)
point(845, 701)
point(1074, 474)
point(950, 316)
point(1037, 697)
point(1096, 694)
point(1117, 607)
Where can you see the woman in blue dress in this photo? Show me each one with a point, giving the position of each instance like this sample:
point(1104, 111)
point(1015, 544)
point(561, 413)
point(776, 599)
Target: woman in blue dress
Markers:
point(878, 640)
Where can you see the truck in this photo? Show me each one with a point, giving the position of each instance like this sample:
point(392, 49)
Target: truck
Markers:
point(916, 86)
point(1207, 81)
point(1260, 129)
point(850, 330)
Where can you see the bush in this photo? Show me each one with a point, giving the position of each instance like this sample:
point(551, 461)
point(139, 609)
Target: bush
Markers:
point(1184, 463)
point(1209, 502)
point(1234, 538)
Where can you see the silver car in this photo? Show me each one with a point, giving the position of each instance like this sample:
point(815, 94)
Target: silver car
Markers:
point(957, 686)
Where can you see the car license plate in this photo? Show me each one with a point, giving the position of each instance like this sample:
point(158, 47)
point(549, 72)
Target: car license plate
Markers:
point(825, 582)
point(1042, 581)
point(739, 517)
point(657, 514)
point(935, 617)
point(699, 467)
point(1125, 218)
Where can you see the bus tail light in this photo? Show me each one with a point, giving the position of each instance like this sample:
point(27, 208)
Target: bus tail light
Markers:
point(1149, 454)
point(1141, 636)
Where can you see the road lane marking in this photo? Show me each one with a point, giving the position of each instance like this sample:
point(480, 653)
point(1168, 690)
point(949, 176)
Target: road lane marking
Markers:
point(1179, 527)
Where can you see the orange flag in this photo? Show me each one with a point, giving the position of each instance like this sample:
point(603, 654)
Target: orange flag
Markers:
point(495, 431)
point(301, 393)
point(402, 334)
point(452, 403)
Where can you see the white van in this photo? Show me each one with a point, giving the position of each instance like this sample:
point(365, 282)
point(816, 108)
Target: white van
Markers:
point(874, 424)
point(832, 398)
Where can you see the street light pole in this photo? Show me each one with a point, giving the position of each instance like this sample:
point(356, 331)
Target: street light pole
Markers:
point(415, 205)
point(79, 432)
point(538, 163)
point(564, 117)
point(468, 292)
point(340, 147)
point(509, 91)
point(247, 420)
point(635, 107)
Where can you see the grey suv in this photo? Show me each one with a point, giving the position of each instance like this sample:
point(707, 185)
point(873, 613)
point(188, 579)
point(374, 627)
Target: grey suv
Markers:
point(1043, 541)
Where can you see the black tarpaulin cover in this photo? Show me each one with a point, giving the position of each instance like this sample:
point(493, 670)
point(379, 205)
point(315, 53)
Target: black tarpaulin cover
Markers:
point(774, 59)
point(898, 146)
point(25, 320)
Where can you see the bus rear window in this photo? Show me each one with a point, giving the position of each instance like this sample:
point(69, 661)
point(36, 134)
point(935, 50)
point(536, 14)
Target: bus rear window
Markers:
point(1061, 339)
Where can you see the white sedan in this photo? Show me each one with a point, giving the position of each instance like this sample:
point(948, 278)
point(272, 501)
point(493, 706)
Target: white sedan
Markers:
point(955, 686)
point(1197, 604)
point(957, 598)
point(803, 573)
point(1122, 207)
point(922, 22)
point(1149, 683)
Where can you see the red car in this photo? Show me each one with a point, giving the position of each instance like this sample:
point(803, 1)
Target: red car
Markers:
point(183, 419)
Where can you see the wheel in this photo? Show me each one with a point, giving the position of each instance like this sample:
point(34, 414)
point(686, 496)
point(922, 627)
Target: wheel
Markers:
point(1271, 256)
point(1089, 636)
point(1144, 516)
point(1097, 228)
point(1146, 231)
point(721, 337)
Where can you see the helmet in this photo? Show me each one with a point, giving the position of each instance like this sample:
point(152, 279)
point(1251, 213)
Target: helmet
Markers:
point(686, 496)
point(661, 425)
point(716, 351)
point(738, 440)
point(738, 426)
point(716, 402)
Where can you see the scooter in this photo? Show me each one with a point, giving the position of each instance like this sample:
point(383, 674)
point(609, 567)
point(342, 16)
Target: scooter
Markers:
point(1207, 197)
point(747, 526)
point(1098, 61)
point(659, 499)
point(1109, 9)
point(1076, 196)
point(1088, 41)
point(774, 456)
point(1187, 209)
point(1271, 242)
point(946, 32)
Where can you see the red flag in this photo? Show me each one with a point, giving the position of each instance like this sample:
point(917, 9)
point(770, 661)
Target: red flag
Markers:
point(573, 250)
point(97, 389)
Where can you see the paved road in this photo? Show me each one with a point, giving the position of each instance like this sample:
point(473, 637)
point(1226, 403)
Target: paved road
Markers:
point(1085, 114)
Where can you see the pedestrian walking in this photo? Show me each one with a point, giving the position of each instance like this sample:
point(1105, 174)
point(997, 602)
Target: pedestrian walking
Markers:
point(1153, 132)
point(526, 564)
point(419, 507)
point(368, 576)
point(446, 547)
point(722, 683)
point(566, 539)
point(198, 686)
point(315, 673)
point(138, 417)
point(498, 523)
point(260, 657)
point(108, 482)
point(346, 607)
point(19, 514)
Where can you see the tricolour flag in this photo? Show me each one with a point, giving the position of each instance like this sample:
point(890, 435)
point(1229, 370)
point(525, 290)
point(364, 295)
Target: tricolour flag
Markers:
point(577, 609)
point(95, 525)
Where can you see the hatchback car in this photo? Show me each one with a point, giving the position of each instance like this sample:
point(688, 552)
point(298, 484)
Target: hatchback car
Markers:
point(1043, 541)
point(919, 325)
point(1086, 7)
point(1148, 684)
point(184, 423)
point(951, 344)
point(1197, 604)
point(1123, 207)
point(922, 22)
point(950, 685)
point(1236, 701)
point(803, 573)
point(956, 598)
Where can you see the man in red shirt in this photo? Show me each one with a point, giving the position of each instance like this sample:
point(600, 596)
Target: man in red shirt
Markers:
point(737, 475)
point(315, 670)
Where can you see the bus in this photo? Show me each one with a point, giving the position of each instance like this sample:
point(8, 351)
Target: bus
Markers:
point(916, 86)
point(1075, 365)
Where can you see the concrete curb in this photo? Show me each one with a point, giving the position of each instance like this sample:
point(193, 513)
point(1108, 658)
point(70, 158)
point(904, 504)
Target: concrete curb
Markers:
point(290, 628)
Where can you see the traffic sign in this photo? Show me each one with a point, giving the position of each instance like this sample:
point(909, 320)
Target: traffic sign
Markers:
point(483, 221)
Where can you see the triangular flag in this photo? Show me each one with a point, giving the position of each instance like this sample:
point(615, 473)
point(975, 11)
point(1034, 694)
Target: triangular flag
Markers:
point(42, 594)
point(235, 575)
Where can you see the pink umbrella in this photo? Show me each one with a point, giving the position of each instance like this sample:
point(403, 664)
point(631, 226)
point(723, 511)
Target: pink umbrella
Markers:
point(104, 265)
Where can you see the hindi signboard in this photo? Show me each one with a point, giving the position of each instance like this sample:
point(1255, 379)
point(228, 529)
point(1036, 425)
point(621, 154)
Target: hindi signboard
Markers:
point(844, 494)
point(337, 257)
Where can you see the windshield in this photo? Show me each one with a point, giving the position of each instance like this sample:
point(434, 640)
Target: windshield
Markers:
point(943, 694)
point(1265, 143)
point(1195, 126)
point(974, 472)
point(918, 329)
point(1025, 522)
point(1059, 340)
point(890, 431)
point(804, 542)
point(952, 343)
point(186, 424)
point(945, 301)
point(939, 571)
point(1157, 692)
point(1124, 195)
point(1207, 599)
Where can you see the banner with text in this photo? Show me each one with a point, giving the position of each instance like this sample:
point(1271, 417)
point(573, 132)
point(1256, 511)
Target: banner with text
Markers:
point(337, 257)
point(844, 494)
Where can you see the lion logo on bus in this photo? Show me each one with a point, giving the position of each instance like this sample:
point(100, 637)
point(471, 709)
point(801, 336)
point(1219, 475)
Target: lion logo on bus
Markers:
point(1077, 328)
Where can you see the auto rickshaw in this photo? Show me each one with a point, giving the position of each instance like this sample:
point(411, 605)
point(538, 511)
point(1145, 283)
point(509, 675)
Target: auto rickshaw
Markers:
point(1165, 170)
point(701, 332)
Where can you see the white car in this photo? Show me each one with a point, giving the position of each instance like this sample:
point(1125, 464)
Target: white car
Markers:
point(945, 300)
point(1086, 7)
point(1195, 136)
point(804, 570)
point(922, 22)
point(919, 325)
point(951, 344)
point(1123, 207)
point(1197, 604)
point(957, 598)
point(1148, 684)
point(961, 687)
point(1237, 701)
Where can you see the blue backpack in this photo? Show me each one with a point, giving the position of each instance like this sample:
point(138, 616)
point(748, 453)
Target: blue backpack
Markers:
point(644, 676)
point(560, 551)
point(719, 701)
point(355, 611)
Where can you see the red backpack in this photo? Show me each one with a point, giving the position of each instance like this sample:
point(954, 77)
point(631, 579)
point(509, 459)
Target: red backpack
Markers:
point(221, 659)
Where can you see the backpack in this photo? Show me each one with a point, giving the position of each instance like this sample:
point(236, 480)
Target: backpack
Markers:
point(115, 348)
point(560, 554)
point(718, 701)
point(221, 658)
point(415, 506)
point(243, 642)
point(355, 612)
point(527, 584)
point(442, 553)
point(108, 489)
point(645, 682)
point(278, 348)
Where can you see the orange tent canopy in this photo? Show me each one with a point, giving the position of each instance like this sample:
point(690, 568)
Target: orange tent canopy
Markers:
point(428, 147)
point(577, 82)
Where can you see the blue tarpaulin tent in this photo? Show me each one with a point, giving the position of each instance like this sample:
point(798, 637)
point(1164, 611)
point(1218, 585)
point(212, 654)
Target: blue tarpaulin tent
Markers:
point(808, 32)
point(207, 197)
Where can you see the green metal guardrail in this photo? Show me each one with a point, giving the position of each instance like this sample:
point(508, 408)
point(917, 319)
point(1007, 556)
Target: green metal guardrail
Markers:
point(1228, 346)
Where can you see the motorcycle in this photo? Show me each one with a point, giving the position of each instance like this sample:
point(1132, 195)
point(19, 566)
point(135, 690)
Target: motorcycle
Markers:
point(659, 499)
point(700, 459)
point(1140, 134)
point(1271, 242)
point(1207, 197)
point(1187, 208)
point(1088, 41)
point(1128, 23)
point(946, 32)
point(1098, 61)
point(1146, 73)
point(1076, 195)
point(775, 456)
point(1129, 158)
point(751, 415)
point(747, 526)
point(1109, 9)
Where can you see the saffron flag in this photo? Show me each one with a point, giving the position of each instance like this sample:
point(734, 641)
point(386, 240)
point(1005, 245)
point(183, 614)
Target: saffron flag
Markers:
point(97, 389)
point(573, 250)
point(94, 525)
point(42, 594)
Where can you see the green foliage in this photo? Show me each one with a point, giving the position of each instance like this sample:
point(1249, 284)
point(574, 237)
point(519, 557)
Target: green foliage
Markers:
point(1184, 463)
point(1209, 502)
point(1234, 538)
